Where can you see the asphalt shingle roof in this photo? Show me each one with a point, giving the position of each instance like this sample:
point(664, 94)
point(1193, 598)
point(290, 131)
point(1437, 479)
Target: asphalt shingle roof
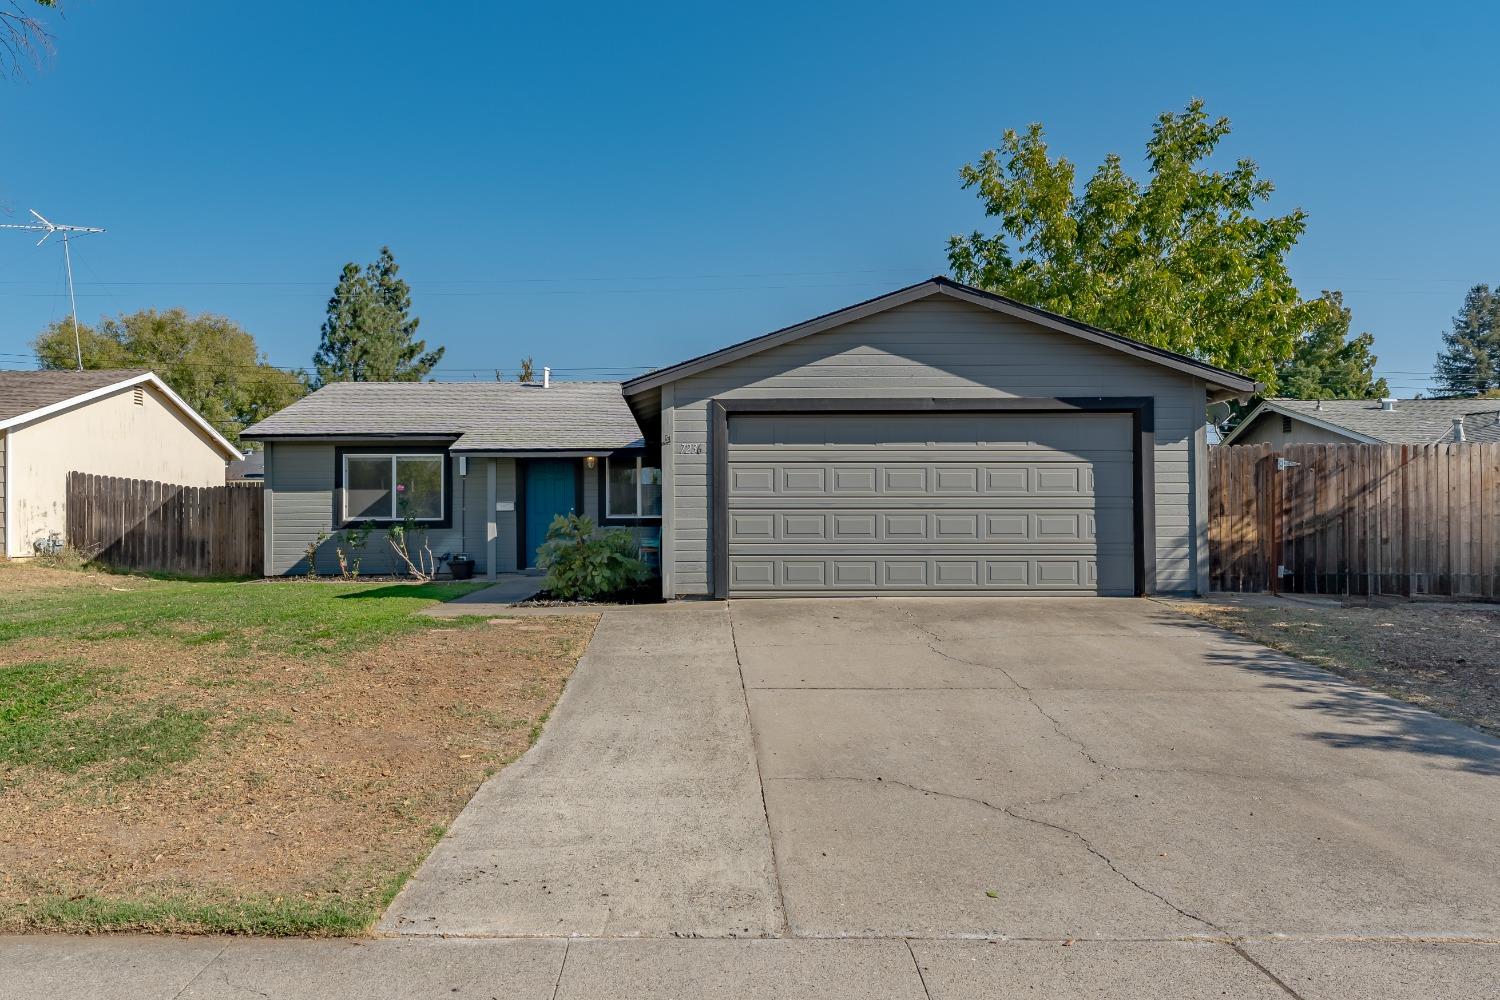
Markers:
point(22, 392)
point(484, 416)
point(1413, 421)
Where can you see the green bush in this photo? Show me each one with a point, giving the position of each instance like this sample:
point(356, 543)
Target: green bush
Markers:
point(583, 564)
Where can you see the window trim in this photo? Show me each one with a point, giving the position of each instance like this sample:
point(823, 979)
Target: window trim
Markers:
point(639, 457)
point(341, 518)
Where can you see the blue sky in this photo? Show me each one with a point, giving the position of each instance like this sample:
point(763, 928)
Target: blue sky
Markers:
point(628, 185)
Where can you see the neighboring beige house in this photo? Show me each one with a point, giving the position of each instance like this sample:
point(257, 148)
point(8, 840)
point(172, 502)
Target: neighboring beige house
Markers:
point(110, 423)
point(1368, 421)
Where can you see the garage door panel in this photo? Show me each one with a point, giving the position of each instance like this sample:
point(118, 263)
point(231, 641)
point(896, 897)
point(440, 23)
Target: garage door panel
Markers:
point(902, 503)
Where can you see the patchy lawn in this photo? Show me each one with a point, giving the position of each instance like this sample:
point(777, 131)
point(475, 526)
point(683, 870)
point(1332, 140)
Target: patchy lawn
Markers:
point(1442, 657)
point(271, 758)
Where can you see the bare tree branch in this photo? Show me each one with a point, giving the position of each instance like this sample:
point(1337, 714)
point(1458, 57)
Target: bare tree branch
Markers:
point(25, 40)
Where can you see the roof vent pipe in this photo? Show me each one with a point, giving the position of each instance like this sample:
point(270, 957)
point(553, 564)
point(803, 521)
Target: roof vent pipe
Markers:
point(1458, 429)
point(1387, 405)
point(546, 378)
point(1318, 406)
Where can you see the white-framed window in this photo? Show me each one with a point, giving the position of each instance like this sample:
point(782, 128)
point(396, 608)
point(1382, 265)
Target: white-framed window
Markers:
point(389, 487)
point(631, 488)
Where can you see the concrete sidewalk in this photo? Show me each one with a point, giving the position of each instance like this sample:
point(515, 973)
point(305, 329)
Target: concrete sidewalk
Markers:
point(158, 968)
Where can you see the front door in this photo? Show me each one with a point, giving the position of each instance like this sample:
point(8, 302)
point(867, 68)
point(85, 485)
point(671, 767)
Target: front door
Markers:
point(551, 489)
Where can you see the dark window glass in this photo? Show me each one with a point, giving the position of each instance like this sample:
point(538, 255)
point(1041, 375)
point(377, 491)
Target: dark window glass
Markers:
point(367, 487)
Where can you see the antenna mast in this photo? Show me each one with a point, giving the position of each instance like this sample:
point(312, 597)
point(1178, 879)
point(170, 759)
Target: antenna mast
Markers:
point(47, 228)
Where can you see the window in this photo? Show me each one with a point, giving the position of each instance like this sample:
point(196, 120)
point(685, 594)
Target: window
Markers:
point(631, 488)
point(390, 487)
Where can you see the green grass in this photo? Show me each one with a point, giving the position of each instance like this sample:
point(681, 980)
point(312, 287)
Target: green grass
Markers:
point(280, 617)
point(43, 724)
point(268, 917)
point(61, 714)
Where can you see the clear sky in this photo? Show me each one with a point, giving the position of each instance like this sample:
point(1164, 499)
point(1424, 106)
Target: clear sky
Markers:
point(628, 185)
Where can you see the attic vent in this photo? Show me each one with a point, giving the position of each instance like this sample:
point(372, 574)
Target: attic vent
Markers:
point(140, 396)
point(1388, 405)
point(1286, 424)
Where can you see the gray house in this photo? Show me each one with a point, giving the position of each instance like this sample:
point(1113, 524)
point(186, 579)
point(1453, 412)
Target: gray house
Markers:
point(1368, 421)
point(937, 439)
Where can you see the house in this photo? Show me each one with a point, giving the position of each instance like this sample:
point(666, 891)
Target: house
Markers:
point(125, 423)
point(1368, 421)
point(481, 467)
point(937, 439)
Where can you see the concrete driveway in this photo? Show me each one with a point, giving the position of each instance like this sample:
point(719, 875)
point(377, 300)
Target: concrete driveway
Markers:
point(945, 773)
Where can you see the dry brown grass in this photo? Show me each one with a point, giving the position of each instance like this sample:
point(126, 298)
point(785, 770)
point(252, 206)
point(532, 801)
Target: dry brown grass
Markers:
point(319, 784)
point(1442, 657)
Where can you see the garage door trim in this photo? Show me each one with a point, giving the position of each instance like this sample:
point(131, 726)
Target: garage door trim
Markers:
point(1143, 434)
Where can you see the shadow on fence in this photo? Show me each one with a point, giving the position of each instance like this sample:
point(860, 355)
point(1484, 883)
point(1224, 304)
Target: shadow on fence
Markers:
point(1356, 519)
point(153, 527)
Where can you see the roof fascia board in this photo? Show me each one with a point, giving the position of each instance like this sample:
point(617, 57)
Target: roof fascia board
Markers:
point(1327, 425)
point(936, 286)
point(323, 437)
point(42, 412)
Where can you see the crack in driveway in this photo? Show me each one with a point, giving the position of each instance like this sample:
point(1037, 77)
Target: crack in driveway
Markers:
point(1011, 812)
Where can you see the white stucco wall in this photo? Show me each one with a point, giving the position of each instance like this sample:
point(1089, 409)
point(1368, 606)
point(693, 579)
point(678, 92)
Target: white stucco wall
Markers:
point(110, 436)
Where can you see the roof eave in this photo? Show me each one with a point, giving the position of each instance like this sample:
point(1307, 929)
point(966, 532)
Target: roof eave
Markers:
point(42, 412)
point(1327, 425)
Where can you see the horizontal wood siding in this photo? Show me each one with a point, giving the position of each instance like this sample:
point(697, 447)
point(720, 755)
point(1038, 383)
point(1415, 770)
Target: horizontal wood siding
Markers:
point(940, 347)
point(1356, 519)
point(300, 478)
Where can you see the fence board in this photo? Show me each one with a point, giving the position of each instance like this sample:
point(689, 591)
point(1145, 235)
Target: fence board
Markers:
point(162, 527)
point(1356, 519)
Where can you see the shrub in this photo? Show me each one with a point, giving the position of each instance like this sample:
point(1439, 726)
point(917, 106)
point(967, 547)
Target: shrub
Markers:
point(583, 563)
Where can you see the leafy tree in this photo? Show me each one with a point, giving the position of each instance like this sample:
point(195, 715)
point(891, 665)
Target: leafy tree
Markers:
point(1327, 363)
point(24, 38)
point(527, 372)
point(1469, 363)
point(370, 334)
point(208, 360)
point(1181, 262)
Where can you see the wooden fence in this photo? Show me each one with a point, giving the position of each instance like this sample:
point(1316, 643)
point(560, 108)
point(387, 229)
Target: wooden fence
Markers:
point(163, 528)
point(1356, 519)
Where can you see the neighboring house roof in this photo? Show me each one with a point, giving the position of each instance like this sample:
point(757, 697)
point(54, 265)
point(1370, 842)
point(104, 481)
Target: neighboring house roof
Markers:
point(1412, 421)
point(26, 397)
point(1227, 382)
point(252, 466)
point(482, 416)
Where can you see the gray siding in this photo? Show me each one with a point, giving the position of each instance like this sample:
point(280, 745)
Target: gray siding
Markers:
point(941, 347)
point(299, 505)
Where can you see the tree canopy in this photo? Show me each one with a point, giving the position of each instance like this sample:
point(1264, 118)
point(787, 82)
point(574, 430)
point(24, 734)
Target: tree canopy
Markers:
point(369, 334)
point(1327, 363)
point(1185, 261)
point(208, 360)
point(1469, 363)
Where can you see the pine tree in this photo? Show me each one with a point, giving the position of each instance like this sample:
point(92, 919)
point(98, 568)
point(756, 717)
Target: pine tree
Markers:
point(1326, 362)
point(1469, 363)
point(369, 334)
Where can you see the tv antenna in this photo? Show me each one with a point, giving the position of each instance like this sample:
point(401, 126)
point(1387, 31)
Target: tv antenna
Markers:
point(47, 228)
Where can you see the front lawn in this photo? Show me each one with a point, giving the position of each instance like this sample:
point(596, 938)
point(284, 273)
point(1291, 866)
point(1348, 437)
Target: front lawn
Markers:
point(1442, 657)
point(245, 757)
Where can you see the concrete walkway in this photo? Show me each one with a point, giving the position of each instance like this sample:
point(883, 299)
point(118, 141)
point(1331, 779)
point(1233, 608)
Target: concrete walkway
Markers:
point(920, 799)
point(499, 597)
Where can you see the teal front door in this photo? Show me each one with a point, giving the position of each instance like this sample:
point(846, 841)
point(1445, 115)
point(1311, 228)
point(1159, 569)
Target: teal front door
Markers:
point(551, 489)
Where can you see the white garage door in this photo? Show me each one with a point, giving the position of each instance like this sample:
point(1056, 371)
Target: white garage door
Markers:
point(891, 503)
